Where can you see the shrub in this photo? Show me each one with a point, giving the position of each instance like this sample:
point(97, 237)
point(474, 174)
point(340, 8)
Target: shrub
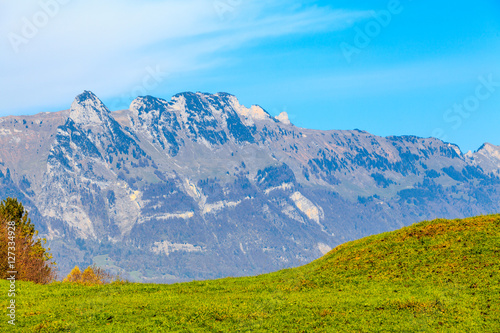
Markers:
point(91, 276)
point(74, 276)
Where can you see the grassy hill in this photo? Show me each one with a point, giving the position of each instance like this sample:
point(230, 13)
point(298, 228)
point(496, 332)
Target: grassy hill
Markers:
point(433, 276)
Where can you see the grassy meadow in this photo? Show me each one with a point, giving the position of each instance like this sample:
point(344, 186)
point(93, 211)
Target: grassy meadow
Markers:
point(434, 276)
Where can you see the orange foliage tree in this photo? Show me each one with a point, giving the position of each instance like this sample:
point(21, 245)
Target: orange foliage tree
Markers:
point(92, 275)
point(19, 243)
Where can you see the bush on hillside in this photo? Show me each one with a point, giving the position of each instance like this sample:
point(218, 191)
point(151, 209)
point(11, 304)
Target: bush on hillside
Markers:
point(91, 276)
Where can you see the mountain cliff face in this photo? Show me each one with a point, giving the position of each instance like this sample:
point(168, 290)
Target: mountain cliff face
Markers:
point(203, 187)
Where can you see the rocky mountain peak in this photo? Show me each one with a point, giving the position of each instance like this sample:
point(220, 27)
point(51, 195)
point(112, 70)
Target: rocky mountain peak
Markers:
point(455, 148)
point(254, 112)
point(147, 104)
point(283, 118)
point(489, 150)
point(192, 107)
point(88, 109)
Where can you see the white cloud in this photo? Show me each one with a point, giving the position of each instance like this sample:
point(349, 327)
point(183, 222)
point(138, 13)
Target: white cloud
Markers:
point(106, 45)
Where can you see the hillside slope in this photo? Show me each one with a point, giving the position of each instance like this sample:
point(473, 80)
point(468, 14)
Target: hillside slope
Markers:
point(433, 276)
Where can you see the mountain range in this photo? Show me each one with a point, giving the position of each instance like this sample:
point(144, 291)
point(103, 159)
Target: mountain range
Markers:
point(203, 187)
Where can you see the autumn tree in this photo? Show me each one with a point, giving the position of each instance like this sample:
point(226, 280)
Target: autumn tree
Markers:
point(92, 275)
point(18, 236)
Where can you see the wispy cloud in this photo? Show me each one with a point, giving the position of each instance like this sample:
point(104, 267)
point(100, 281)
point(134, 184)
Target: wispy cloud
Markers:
point(105, 45)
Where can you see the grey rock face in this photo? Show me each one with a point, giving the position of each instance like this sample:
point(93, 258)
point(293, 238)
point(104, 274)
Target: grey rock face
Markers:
point(203, 187)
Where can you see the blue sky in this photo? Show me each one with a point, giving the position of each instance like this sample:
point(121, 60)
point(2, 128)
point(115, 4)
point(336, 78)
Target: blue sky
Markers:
point(388, 67)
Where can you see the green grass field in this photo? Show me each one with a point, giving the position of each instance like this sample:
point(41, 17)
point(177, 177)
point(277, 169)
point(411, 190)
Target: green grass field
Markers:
point(438, 276)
